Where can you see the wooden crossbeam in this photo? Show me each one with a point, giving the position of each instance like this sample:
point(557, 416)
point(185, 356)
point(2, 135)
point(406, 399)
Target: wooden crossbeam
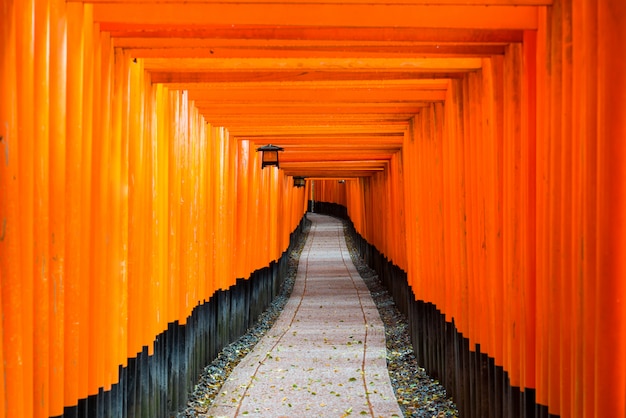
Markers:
point(415, 64)
point(373, 15)
point(336, 83)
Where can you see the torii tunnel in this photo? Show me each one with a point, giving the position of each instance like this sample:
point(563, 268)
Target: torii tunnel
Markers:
point(478, 148)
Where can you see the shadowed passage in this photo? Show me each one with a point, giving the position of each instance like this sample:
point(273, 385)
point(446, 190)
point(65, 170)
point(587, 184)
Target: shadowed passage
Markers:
point(325, 355)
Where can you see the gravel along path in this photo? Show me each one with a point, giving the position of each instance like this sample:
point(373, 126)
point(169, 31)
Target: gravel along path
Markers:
point(418, 395)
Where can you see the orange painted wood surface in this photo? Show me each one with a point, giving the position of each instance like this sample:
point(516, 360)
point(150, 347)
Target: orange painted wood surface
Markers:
point(323, 14)
point(542, 246)
point(481, 144)
point(106, 197)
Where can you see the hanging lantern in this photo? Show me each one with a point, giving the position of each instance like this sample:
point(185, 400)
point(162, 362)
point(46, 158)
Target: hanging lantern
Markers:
point(299, 181)
point(269, 155)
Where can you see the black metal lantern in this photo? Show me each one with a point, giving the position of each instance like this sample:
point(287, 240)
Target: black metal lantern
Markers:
point(269, 155)
point(299, 181)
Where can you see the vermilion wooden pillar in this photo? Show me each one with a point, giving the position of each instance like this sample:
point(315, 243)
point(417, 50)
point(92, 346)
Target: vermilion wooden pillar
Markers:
point(610, 318)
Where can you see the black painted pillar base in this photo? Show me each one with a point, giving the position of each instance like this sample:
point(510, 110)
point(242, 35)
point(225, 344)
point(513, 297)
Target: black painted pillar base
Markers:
point(479, 387)
point(158, 385)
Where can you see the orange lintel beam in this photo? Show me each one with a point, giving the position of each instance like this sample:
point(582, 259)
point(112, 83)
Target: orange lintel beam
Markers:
point(226, 76)
point(430, 50)
point(364, 139)
point(321, 144)
point(425, 83)
point(328, 173)
point(144, 39)
point(412, 84)
point(343, 164)
point(322, 155)
point(346, 132)
point(315, 14)
point(334, 166)
point(235, 121)
point(312, 178)
point(327, 168)
point(343, 2)
point(237, 113)
point(321, 147)
point(297, 107)
point(313, 64)
point(315, 145)
point(229, 35)
point(402, 95)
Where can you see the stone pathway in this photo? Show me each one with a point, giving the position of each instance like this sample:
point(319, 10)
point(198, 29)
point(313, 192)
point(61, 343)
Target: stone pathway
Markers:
point(325, 355)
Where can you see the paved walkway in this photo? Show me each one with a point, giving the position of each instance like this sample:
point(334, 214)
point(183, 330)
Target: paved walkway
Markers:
point(325, 355)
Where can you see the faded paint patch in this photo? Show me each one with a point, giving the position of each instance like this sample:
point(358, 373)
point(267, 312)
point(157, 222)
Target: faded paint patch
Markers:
point(4, 229)
point(5, 141)
point(54, 297)
point(43, 268)
point(6, 149)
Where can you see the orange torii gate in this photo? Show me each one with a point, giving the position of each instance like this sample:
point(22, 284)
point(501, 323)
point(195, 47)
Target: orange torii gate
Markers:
point(482, 147)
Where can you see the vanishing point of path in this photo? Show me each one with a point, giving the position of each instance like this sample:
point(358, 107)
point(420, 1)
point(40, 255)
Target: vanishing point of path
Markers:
point(325, 354)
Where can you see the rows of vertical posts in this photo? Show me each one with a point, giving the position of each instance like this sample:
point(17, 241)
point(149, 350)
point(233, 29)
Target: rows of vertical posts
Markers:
point(581, 209)
point(514, 213)
point(326, 190)
point(470, 241)
point(121, 208)
point(375, 205)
